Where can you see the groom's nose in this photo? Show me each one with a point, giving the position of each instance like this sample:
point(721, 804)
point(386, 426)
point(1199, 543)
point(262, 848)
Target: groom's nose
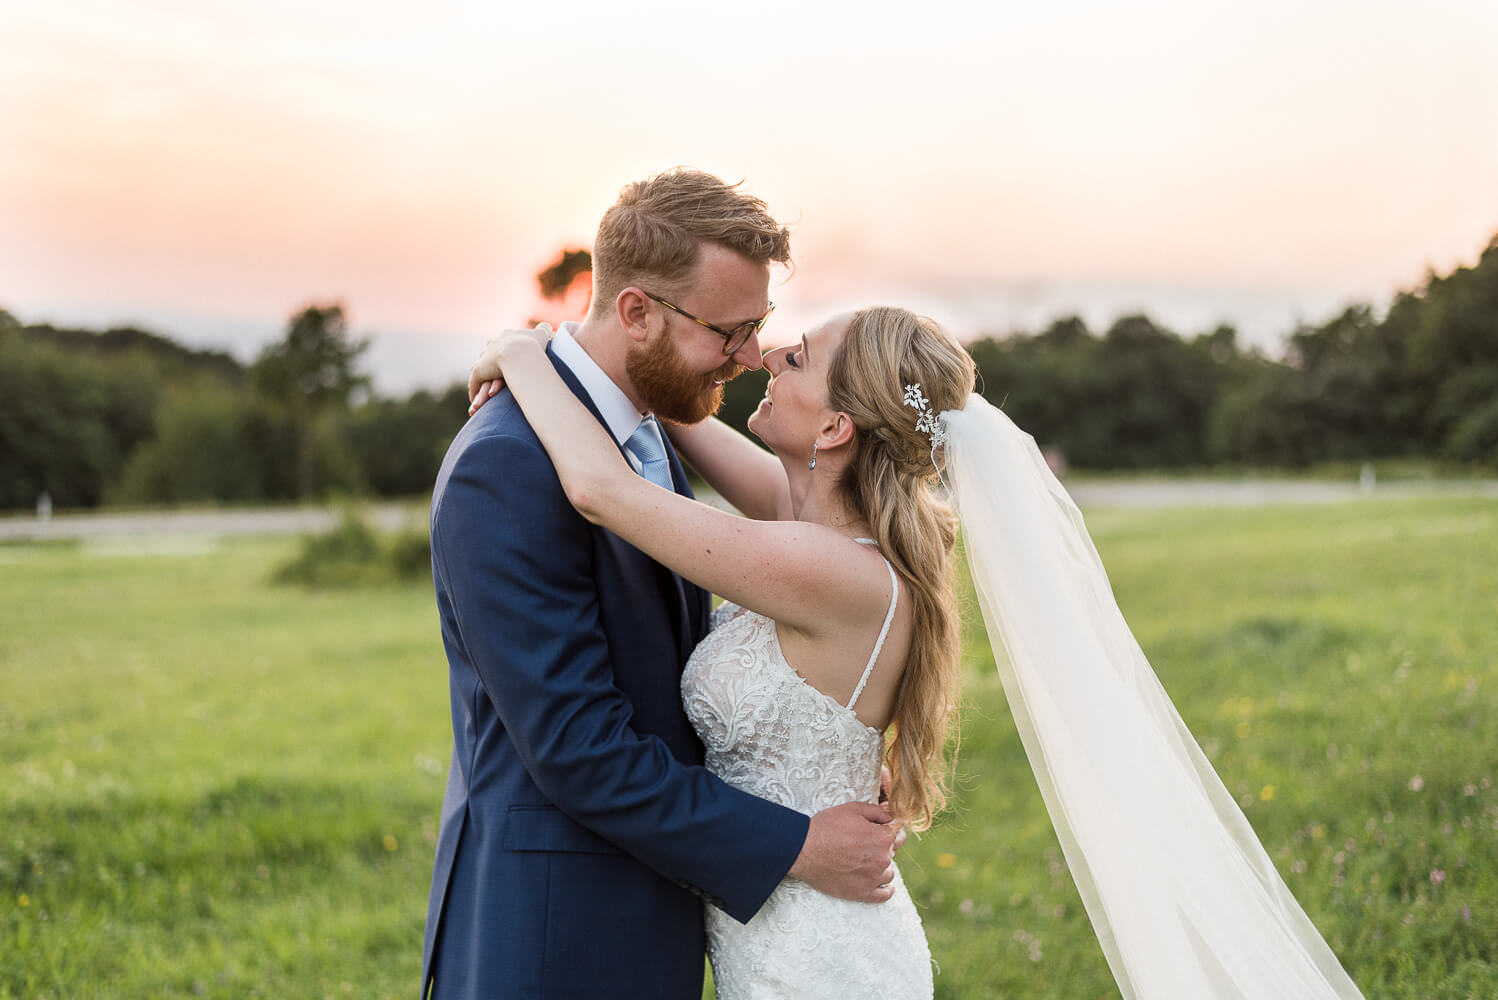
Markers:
point(748, 354)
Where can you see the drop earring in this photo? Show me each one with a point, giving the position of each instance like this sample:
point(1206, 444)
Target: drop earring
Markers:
point(813, 463)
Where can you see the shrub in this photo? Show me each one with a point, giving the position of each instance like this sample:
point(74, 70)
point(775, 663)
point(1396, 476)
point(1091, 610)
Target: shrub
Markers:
point(352, 554)
point(410, 555)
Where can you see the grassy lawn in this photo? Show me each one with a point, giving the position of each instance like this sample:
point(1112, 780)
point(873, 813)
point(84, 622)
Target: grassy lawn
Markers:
point(1340, 666)
point(214, 786)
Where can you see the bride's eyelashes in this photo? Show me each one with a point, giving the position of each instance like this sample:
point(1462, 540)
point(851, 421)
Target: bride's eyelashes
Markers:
point(791, 360)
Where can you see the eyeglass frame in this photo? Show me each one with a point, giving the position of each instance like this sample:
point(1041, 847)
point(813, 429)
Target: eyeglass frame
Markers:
point(733, 340)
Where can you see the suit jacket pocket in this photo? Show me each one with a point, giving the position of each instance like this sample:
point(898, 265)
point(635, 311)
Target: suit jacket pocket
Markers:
point(546, 828)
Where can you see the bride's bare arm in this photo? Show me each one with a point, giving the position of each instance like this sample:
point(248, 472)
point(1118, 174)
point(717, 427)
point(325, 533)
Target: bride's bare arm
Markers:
point(744, 474)
point(803, 575)
point(484, 381)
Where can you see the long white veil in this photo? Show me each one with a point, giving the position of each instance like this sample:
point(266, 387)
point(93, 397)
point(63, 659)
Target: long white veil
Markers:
point(1184, 899)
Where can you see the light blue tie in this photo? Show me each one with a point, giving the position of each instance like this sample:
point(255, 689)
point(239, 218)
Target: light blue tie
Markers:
point(649, 450)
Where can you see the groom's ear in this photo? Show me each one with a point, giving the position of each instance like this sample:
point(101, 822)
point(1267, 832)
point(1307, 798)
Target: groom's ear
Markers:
point(634, 310)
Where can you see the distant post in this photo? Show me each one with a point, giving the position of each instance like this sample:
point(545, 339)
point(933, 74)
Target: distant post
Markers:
point(44, 507)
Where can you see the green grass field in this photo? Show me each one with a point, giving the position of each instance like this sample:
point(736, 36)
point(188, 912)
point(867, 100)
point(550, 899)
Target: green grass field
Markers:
point(215, 786)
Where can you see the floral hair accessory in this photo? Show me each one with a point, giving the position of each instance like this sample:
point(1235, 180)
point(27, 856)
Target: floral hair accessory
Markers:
point(927, 420)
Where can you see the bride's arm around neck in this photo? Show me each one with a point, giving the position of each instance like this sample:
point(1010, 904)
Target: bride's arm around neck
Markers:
point(741, 472)
point(806, 576)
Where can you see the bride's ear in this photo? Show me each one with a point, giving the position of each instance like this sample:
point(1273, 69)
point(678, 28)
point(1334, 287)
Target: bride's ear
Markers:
point(837, 430)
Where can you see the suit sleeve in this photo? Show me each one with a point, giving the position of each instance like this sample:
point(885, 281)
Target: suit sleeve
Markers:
point(518, 565)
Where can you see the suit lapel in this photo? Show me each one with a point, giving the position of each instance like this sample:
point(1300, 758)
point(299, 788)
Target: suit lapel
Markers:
point(692, 625)
point(576, 387)
point(686, 602)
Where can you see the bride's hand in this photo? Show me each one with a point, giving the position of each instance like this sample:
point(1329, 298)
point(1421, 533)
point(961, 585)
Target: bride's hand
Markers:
point(485, 378)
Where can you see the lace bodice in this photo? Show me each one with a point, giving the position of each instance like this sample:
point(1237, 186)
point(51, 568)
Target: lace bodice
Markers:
point(769, 732)
point(766, 730)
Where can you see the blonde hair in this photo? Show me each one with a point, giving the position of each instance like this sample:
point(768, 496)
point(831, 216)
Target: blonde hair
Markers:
point(655, 229)
point(889, 483)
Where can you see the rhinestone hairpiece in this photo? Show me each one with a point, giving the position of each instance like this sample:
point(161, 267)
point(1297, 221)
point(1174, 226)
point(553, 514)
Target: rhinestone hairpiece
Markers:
point(927, 421)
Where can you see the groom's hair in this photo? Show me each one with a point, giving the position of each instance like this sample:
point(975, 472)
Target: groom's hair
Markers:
point(655, 229)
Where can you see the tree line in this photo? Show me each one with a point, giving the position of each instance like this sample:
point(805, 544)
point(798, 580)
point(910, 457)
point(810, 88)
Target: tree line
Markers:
point(1419, 381)
point(131, 417)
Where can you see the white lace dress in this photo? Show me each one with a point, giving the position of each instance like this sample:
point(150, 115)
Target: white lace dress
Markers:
point(770, 733)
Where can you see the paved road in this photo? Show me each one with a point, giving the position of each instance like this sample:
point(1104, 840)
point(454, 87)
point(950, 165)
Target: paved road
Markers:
point(205, 523)
point(1259, 493)
point(199, 524)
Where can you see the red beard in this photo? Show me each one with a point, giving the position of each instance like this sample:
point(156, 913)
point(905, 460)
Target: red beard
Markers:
point(670, 389)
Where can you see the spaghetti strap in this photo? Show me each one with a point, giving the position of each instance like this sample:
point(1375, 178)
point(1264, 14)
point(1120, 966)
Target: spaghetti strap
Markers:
point(889, 617)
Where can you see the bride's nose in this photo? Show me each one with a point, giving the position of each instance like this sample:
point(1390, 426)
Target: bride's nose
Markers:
point(774, 361)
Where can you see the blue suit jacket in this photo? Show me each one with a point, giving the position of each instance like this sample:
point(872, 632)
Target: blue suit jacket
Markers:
point(578, 829)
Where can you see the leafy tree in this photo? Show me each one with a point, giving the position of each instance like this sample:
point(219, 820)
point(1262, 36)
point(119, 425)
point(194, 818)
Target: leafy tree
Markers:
point(399, 444)
point(1474, 437)
point(211, 446)
point(313, 368)
point(1454, 347)
point(1038, 380)
point(1137, 397)
point(565, 286)
point(171, 359)
point(1154, 392)
point(67, 420)
point(312, 373)
point(1265, 418)
point(556, 280)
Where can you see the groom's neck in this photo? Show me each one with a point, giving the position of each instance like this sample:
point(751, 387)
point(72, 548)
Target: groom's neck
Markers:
point(608, 346)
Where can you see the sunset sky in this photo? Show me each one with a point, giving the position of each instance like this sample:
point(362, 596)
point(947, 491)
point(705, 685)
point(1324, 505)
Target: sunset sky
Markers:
point(205, 168)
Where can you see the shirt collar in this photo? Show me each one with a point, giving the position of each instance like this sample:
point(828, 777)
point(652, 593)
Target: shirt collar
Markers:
point(619, 414)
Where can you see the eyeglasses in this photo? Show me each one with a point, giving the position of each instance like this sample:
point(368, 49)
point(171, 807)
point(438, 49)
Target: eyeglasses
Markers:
point(732, 339)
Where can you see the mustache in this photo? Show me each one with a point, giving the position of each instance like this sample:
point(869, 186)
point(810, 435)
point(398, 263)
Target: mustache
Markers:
point(728, 372)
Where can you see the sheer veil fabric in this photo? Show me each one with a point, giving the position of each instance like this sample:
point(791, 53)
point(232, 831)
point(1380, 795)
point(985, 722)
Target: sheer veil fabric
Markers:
point(1184, 899)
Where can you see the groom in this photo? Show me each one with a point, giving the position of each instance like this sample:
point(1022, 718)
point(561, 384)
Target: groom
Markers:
point(579, 831)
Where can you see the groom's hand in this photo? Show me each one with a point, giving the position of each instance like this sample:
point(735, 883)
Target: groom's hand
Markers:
point(849, 852)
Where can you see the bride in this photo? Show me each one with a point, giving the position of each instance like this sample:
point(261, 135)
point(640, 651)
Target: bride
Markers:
point(837, 652)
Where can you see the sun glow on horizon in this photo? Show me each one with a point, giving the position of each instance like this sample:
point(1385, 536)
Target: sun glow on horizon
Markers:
point(214, 159)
